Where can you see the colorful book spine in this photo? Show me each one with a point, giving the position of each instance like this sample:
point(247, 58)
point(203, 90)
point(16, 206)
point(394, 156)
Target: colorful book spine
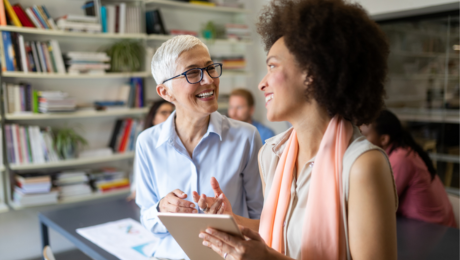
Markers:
point(23, 18)
point(104, 19)
point(2, 14)
point(44, 16)
point(8, 51)
point(39, 17)
point(35, 101)
point(14, 18)
point(34, 18)
point(22, 52)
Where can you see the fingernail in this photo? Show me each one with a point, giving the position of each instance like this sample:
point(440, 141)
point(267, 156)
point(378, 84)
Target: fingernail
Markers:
point(209, 231)
point(201, 235)
point(221, 196)
point(205, 243)
point(194, 211)
point(192, 205)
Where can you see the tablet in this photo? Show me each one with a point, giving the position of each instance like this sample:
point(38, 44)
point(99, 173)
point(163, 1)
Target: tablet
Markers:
point(185, 229)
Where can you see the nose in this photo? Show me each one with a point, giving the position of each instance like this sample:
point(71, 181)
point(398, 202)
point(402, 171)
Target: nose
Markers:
point(263, 83)
point(206, 80)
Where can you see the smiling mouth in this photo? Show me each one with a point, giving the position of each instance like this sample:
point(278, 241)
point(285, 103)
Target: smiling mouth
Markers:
point(268, 98)
point(206, 94)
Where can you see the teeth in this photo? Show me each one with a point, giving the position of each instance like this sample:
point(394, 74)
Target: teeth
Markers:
point(268, 98)
point(206, 94)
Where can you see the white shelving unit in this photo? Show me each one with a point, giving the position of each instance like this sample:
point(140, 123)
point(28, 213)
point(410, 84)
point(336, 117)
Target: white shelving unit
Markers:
point(15, 74)
point(427, 115)
point(78, 114)
point(196, 6)
point(3, 206)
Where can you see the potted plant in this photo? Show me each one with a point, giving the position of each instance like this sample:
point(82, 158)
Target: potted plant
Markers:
point(125, 56)
point(67, 142)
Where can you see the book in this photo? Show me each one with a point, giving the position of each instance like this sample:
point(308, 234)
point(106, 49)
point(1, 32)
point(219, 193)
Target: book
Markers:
point(22, 53)
point(22, 16)
point(16, 54)
point(24, 199)
point(46, 54)
point(53, 61)
point(2, 14)
point(125, 136)
point(30, 57)
point(58, 56)
point(35, 56)
point(115, 131)
point(39, 17)
point(41, 57)
point(8, 51)
point(122, 18)
point(110, 18)
point(14, 18)
point(104, 19)
point(45, 11)
point(35, 20)
point(2, 56)
point(154, 22)
point(43, 15)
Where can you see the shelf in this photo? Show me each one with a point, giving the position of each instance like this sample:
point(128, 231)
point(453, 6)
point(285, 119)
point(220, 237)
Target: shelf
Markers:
point(161, 37)
point(20, 74)
point(71, 34)
point(73, 162)
point(78, 114)
point(453, 158)
point(424, 54)
point(76, 199)
point(427, 115)
point(197, 7)
point(423, 76)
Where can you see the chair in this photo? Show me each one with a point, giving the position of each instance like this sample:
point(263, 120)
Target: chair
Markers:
point(455, 201)
point(48, 254)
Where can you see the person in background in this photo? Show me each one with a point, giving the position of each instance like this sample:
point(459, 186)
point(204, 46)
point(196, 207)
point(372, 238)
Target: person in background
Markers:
point(420, 191)
point(241, 107)
point(176, 159)
point(158, 113)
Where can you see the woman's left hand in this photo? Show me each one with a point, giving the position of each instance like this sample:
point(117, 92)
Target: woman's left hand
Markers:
point(234, 248)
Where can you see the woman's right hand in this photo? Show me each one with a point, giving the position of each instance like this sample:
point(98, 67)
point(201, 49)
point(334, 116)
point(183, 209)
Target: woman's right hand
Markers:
point(219, 204)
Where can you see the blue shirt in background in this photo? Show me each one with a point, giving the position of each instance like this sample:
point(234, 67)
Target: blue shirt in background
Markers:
point(265, 132)
point(228, 151)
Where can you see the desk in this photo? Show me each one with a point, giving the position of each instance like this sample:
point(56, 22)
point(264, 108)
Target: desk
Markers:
point(416, 240)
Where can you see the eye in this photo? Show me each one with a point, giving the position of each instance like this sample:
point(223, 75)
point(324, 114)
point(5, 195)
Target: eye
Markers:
point(271, 66)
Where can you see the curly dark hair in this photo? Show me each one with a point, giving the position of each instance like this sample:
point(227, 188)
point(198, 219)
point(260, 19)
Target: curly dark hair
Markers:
point(339, 46)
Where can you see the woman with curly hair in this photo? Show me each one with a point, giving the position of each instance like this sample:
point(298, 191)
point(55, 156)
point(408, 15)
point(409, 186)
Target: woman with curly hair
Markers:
point(329, 193)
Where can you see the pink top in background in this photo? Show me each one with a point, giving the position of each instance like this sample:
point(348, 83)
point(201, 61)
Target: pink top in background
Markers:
point(419, 196)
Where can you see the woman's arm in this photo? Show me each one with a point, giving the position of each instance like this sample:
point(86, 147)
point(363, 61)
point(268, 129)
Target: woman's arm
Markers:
point(371, 209)
point(252, 224)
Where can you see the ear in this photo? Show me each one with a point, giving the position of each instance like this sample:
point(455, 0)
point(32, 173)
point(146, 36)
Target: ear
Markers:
point(164, 92)
point(384, 140)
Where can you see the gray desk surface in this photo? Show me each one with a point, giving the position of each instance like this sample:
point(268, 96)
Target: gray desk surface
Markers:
point(416, 240)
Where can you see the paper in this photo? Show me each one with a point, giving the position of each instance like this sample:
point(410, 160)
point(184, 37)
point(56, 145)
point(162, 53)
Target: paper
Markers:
point(126, 239)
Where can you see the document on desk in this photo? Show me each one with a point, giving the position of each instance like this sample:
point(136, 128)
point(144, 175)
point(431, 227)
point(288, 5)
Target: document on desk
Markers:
point(126, 239)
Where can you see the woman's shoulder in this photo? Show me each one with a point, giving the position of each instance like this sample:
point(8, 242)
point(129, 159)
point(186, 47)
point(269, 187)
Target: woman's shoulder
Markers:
point(150, 136)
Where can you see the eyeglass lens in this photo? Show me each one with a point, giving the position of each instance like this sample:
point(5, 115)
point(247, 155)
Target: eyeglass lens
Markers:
point(194, 76)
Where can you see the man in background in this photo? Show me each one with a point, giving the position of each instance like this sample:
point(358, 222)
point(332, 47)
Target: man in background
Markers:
point(241, 107)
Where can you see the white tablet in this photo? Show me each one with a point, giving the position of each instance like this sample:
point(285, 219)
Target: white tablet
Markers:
point(185, 229)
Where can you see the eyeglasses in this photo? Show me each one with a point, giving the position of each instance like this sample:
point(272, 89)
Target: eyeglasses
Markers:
point(194, 76)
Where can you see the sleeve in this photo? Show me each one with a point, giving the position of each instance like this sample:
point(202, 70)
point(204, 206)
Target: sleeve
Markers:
point(402, 172)
point(252, 183)
point(146, 195)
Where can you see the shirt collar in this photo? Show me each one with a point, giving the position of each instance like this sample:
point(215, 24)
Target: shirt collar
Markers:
point(168, 130)
point(278, 142)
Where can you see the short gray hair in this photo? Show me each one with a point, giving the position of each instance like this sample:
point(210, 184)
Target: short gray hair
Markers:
point(163, 64)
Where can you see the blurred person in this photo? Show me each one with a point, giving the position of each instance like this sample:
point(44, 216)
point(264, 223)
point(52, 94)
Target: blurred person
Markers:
point(329, 192)
point(176, 159)
point(241, 107)
point(158, 113)
point(421, 193)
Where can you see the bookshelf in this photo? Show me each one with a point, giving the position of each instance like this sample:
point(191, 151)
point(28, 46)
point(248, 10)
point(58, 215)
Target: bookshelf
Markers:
point(191, 17)
point(3, 205)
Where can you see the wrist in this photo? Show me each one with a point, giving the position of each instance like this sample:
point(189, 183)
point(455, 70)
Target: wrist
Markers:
point(158, 205)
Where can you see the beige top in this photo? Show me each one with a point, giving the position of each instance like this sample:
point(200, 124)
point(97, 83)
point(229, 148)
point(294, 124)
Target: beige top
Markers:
point(268, 160)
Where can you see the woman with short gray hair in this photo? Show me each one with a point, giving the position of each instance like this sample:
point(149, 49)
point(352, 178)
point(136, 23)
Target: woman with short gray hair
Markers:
point(177, 159)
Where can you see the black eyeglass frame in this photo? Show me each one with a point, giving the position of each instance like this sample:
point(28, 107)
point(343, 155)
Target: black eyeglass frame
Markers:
point(201, 71)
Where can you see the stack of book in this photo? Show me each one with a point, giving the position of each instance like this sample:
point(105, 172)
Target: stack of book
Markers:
point(86, 62)
point(109, 179)
point(72, 184)
point(124, 134)
point(229, 63)
point(128, 96)
point(33, 190)
point(29, 144)
point(228, 3)
point(55, 101)
point(121, 18)
point(79, 23)
point(33, 56)
point(35, 17)
point(154, 23)
point(237, 31)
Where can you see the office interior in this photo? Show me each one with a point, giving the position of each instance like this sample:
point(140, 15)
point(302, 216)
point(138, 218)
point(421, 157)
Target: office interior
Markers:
point(422, 89)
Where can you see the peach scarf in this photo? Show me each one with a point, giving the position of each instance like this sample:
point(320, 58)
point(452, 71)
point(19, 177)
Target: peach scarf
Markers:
point(323, 231)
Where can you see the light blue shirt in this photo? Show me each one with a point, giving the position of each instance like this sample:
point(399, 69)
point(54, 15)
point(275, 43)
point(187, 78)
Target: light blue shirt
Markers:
point(228, 151)
point(265, 132)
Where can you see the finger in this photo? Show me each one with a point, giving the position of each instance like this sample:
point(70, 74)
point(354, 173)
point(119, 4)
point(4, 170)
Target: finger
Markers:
point(226, 238)
point(196, 196)
point(215, 207)
point(177, 209)
point(215, 187)
point(179, 194)
point(216, 244)
point(202, 202)
point(180, 202)
point(250, 233)
point(221, 210)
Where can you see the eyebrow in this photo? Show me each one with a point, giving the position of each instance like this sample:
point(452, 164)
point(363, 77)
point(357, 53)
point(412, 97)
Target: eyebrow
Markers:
point(269, 58)
point(195, 65)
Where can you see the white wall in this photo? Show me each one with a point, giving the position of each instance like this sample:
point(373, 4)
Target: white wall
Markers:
point(375, 7)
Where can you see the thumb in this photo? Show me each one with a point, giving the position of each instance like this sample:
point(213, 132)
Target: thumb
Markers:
point(180, 194)
point(215, 187)
point(248, 233)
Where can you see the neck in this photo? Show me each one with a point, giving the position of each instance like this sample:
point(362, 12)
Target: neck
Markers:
point(310, 130)
point(191, 129)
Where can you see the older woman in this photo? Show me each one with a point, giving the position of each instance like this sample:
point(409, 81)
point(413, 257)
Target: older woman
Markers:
point(195, 143)
point(329, 193)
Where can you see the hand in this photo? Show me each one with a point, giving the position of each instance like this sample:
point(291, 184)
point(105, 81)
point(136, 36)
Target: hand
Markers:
point(217, 205)
point(175, 202)
point(230, 247)
point(131, 196)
